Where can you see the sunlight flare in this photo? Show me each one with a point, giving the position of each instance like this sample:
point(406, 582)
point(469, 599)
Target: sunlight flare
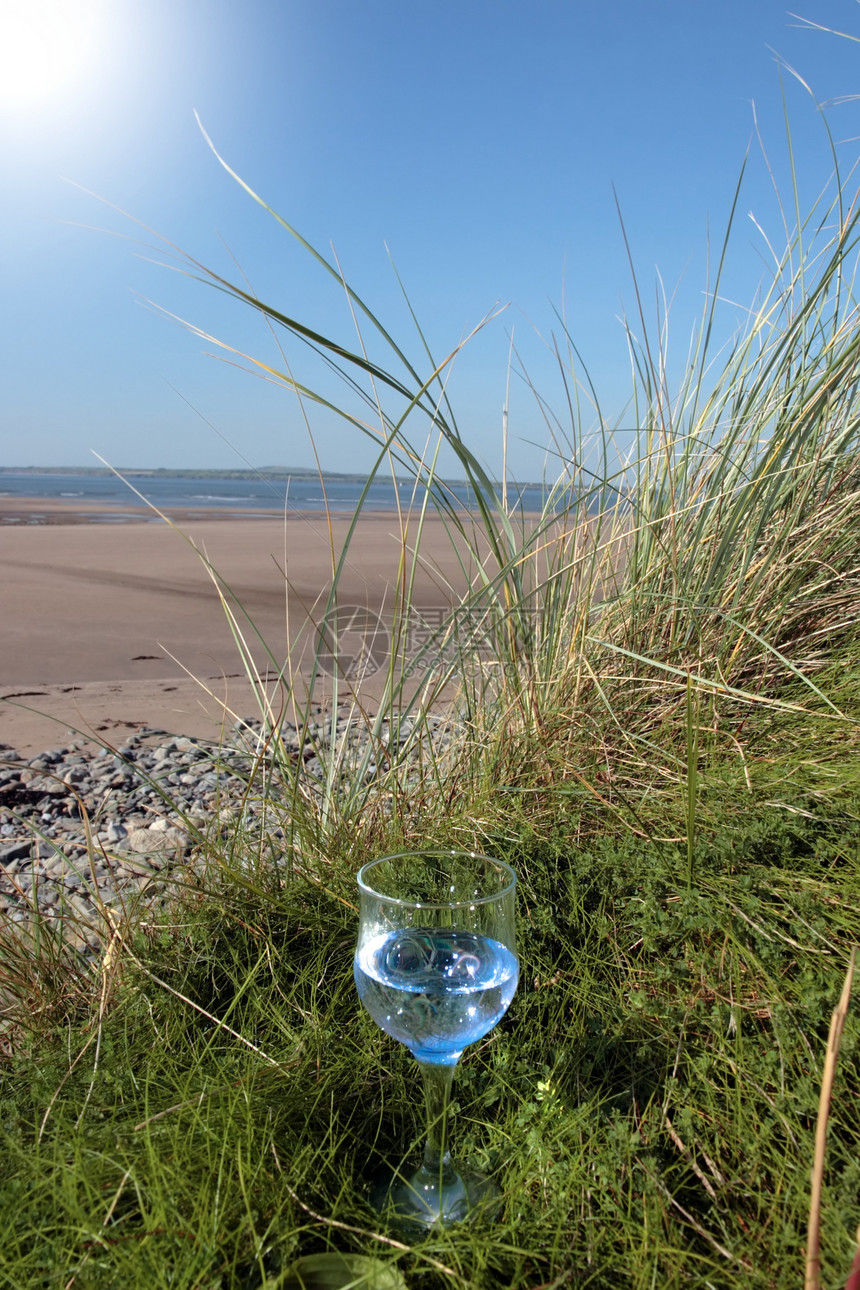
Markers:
point(46, 47)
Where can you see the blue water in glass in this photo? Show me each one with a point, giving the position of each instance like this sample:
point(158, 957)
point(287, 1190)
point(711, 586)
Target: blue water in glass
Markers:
point(435, 989)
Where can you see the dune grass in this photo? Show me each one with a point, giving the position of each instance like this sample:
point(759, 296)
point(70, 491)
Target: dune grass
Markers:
point(657, 722)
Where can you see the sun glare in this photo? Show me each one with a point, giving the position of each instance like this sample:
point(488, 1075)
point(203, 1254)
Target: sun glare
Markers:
point(46, 47)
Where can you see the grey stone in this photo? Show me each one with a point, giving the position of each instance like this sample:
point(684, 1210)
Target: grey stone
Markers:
point(48, 786)
point(82, 908)
point(15, 851)
point(144, 840)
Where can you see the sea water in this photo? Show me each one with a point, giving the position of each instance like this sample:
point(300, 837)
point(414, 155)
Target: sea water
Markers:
point(239, 491)
point(435, 989)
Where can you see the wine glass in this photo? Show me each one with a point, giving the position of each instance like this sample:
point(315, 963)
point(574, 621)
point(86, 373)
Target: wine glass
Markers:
point(436, 967)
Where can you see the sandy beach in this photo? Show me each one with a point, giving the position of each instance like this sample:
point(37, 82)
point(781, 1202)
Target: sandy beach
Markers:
point(115, 625)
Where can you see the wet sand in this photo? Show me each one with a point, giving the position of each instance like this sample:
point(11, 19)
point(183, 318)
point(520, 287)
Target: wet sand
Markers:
point(110, 626)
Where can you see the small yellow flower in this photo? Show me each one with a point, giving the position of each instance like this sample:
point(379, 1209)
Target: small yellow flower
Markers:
point(548, 1094)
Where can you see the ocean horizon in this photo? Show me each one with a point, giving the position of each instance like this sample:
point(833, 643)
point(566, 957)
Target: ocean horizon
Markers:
point(230, 492)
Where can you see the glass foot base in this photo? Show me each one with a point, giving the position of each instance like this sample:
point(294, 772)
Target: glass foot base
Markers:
point(416, 1203)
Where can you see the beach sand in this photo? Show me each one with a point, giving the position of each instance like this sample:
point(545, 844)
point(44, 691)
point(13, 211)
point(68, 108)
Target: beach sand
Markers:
point(111, 626)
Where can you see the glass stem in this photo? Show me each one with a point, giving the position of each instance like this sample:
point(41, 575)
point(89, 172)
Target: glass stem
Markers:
point(437, 1094)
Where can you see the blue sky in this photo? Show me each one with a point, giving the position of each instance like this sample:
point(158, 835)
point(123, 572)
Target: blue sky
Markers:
point(479, 142)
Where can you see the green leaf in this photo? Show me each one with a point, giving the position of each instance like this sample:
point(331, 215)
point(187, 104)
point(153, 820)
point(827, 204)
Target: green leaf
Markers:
point(342, 1272)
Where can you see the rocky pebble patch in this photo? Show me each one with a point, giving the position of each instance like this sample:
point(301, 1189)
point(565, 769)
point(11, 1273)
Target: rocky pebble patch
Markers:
point(84, 830)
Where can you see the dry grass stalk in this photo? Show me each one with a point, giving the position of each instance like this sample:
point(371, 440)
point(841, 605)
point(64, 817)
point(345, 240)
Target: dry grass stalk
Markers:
point(834, 1039)
point(853, 1282)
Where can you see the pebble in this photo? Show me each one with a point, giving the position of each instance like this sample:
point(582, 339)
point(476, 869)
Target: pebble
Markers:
point(147, 801)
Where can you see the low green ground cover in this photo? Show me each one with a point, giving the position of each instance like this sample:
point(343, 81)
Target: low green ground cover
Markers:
point(209, 1101)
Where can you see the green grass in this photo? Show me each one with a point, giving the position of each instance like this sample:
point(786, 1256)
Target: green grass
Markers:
point(648, 1104)
point(661, 733)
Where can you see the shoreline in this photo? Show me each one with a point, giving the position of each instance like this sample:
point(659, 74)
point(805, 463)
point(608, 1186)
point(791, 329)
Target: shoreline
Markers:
point(38, 512)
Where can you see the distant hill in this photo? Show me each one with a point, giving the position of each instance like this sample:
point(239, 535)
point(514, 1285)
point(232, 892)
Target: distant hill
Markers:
point(265, 472)
point(163, 472)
